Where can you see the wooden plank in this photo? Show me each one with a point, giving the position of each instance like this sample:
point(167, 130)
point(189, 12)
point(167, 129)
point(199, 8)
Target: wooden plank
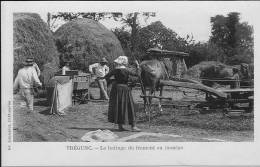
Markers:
point(158, 97)
point(251, 97)
point(160, 52)
point(193, 86)
point(236, 90)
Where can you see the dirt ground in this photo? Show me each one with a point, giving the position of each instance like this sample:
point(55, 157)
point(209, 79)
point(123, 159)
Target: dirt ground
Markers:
point(177, 124)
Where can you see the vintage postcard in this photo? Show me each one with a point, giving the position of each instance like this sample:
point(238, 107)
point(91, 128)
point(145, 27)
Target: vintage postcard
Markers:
point(130, 83)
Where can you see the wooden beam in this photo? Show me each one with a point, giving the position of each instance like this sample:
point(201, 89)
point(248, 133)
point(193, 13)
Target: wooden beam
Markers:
point(158, 97)
point(193, 86)
point(236, 90)
point(166, 52)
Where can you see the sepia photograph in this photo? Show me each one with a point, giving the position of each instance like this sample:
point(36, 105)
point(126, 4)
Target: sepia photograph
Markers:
point(169, 72)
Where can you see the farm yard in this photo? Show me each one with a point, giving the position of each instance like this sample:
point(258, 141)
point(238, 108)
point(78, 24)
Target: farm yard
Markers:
point(130, 83)
point(160, 55)
point(171, 125)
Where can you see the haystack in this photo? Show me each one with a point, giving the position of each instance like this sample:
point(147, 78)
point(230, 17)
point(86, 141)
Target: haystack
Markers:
point(48, 72)
point(195, 71)
point(32, 38)
point(86, 41)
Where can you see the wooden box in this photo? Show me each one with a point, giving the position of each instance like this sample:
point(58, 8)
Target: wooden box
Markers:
point(81, 81)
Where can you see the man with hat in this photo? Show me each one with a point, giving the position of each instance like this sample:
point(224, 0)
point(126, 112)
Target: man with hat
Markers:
point(100, 70)
point(31, 60)
point(25, 80)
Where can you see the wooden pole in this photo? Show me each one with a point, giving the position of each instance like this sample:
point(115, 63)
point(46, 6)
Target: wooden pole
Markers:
point(193, 86)
point(158, 97)
point(54, 94)
point(149, 108)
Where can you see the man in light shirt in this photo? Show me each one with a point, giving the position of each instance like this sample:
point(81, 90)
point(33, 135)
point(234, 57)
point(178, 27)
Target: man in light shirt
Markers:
point(35, 66)
point(100, 70)
point(26, 78)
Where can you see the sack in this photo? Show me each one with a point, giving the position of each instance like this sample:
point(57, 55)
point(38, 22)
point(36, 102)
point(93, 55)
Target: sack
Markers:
point(99, 136)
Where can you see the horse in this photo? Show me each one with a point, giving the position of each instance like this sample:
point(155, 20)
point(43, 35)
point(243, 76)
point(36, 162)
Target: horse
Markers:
point(152, 71)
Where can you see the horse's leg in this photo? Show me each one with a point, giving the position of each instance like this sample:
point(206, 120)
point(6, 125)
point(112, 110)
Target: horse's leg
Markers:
point(149, 105)
point(160, 100)
point(150, 94)
point(145, 99)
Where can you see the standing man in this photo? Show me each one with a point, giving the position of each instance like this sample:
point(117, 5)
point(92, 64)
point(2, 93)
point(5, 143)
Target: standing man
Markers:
point(25, 80)
point(36, 67)
point(100, 70)
point(236, 83)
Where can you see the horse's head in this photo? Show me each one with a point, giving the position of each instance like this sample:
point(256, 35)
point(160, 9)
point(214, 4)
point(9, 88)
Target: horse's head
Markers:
point(152, 71)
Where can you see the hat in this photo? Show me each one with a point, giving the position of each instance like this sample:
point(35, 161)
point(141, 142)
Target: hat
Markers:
point(121, 60)
point(28, 62)
point(244, 65)
point(103, 60)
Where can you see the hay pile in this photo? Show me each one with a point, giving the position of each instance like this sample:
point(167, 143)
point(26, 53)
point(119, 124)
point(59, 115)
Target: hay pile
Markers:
point(32, 38)
point(195, 71)
point(86, 41)
point(49, 70)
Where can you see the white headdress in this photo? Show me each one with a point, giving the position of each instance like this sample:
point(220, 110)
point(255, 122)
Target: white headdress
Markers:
point(123, 60)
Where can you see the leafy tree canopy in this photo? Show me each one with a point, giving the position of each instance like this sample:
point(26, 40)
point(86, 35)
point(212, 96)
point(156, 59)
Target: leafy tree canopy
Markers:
point(233, 37)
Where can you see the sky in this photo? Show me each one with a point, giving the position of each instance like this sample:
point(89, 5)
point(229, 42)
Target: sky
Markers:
point(194, 19)
point(183, 17)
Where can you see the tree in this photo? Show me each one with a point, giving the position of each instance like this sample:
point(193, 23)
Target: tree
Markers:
point(219, 32)
point(69, 16)
point(132, 20)
point(234, 38)
point(245, 38)
point(157, 35)
point(232, 22)
point(203, 52)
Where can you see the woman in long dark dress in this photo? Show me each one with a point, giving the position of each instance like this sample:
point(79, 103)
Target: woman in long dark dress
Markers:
point(121, 108)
